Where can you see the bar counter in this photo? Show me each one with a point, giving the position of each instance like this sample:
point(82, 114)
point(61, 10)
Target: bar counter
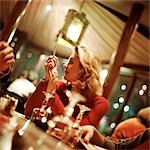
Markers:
point(36, 139)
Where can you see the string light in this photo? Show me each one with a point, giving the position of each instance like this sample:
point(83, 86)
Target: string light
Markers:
point(116, 105)
point(144, 87)
point(126, 108)
point(121, 99)
point(48, 8)
point(123, 87)
point(141, 92)
point(112, 125)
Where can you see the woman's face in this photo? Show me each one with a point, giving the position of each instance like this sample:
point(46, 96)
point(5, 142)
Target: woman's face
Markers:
point(72, 68)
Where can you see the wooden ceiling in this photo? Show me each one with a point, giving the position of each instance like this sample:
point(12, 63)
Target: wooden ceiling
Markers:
point(102, 35)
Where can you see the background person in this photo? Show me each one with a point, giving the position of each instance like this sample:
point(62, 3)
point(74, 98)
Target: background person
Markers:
point(21, 88)
point(133, 126)
point(136, 141)
point(92, 135)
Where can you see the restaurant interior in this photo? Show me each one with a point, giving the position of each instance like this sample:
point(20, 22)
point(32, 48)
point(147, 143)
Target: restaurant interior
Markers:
point(117, 30)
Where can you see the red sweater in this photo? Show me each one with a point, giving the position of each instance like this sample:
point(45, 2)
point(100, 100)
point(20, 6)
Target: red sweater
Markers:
point(98, 104)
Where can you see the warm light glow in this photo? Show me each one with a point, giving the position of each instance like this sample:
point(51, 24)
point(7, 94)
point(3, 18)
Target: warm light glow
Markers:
point(48, 7)
point(15, 39)
point(103, 75)
point(126, 108)
point(112, 125)
point(18, 55)
point(116, 105)
point(144, 87)
point(42, 57)
point(29, 55)
point(12, 44)
point(121, 99)
point(74, 30)
point(123, 87)
point(44, 119)
point(141, 92)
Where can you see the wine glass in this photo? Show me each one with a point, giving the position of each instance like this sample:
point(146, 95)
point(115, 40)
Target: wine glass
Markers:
point(65, 132)
point(76, 125)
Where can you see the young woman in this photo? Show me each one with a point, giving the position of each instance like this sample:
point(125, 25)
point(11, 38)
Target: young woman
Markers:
point(82, 76)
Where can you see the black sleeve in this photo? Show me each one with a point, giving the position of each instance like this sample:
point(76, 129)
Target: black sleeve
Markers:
point(4, 81)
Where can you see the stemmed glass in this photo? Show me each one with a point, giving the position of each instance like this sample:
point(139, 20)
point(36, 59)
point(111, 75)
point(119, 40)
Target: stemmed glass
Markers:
point(76, 125)
point(40, 115)
point(43, 112)
point(66, 132)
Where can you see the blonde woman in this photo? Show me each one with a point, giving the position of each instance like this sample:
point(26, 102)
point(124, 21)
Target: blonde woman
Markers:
point(81, 75)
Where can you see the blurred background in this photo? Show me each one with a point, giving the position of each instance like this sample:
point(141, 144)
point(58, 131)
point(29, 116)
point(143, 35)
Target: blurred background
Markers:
point(42, 31)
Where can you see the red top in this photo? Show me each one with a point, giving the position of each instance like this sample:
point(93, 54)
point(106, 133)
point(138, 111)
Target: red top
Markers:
point(128, 128)
point(98, 104)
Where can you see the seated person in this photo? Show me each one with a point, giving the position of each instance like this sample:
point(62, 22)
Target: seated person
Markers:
point(92, 135)
point(140, 140)
point(82, 76)
point(132, 126)
point(22, 86)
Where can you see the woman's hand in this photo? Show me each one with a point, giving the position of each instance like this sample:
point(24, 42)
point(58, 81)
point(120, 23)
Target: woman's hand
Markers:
point(51, 72)
point(91, 134)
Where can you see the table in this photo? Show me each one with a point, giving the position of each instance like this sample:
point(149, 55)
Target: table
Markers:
point(34, 138)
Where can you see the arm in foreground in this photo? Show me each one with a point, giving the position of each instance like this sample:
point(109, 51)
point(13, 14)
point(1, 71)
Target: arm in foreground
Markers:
point(92, 135)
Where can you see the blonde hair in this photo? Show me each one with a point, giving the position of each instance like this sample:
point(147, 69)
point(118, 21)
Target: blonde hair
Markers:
point(89, 82)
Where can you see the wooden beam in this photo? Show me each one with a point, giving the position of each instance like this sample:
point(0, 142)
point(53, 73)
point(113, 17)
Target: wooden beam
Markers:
point(119, 55)
point(131, 66)
point(14, 18)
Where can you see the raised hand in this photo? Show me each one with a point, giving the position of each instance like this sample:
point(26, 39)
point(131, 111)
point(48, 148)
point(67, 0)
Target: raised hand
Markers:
point(51, 72)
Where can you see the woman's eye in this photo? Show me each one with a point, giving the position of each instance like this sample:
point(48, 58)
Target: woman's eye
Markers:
point(71, 61)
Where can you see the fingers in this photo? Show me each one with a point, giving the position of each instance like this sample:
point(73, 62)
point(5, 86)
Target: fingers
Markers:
point(88, 136)
point(53, 74)
point(52, 62)
point(88, 132)
point(50, 68)
point(6, 56)
point(3, 45)
point(8, 59)
point(6, 51)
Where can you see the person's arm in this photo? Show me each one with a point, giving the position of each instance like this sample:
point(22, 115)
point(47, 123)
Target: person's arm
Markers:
point(92, 135)
point(99, 109)
point(47, 85)
point(36, 98)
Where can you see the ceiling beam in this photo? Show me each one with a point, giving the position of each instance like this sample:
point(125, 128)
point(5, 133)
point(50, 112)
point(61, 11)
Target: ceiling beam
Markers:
point(118, 56)
point(131, 66)
point(143, 29)
point(13, 19)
